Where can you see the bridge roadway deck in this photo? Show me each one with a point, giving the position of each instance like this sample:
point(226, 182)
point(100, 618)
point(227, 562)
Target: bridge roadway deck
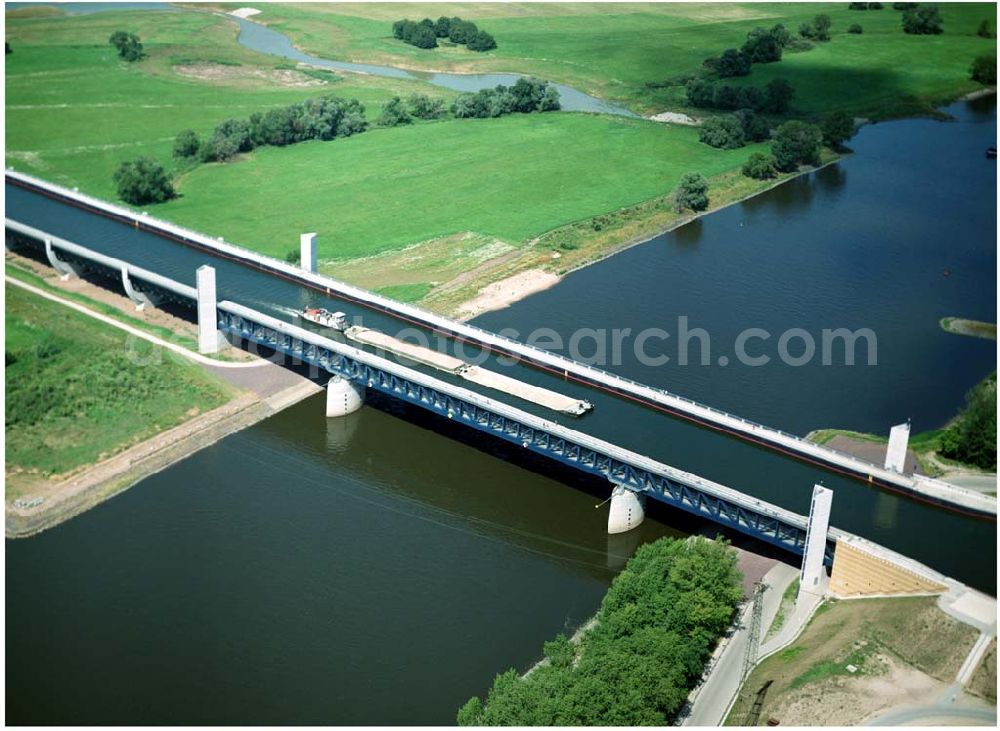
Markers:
point(934, 490)
point(620, 418)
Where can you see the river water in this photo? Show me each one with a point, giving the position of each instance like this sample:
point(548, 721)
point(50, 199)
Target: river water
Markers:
point(370, 571)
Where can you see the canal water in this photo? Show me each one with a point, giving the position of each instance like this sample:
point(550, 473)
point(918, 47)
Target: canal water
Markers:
point(371, 571)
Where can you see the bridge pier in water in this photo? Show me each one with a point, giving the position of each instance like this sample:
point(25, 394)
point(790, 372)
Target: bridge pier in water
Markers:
point(627, 510)
point(343, 397)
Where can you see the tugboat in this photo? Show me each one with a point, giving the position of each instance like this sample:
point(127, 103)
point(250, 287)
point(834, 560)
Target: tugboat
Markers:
point(325, 318)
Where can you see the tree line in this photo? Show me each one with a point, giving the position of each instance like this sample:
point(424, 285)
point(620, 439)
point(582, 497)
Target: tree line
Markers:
point(526, 95)
point(972, 437)
point(425, 33)
point(655, 631)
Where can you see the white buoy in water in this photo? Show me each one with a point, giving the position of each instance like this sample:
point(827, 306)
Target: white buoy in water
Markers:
point(343, 397)
point(626, 510)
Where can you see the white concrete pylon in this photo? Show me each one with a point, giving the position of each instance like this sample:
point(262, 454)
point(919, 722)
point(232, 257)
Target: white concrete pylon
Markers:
point(626, 511)
point(208, 319)
point(343, 397)
point(307, 252)
point(813, 573)
point(65, 269)
point(895, 453)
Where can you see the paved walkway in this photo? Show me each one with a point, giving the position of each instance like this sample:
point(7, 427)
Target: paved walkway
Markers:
point(942, 712)
point(725, 671)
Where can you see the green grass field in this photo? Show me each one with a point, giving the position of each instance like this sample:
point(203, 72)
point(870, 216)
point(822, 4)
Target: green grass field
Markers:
point(512, 178)
point(75, 111)
point(74, 393)
point(615, 51)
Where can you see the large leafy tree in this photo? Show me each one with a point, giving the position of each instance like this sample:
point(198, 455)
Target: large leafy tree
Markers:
point(796, 143)
point(143, 181)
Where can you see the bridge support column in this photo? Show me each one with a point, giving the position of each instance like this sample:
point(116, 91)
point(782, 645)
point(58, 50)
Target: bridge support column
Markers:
point(65, 269)
point(895, 453)
point(307, 252)
point(626, 511)
point(208, 316)
point(813, 575)
point(140, 299)
point(343, 397)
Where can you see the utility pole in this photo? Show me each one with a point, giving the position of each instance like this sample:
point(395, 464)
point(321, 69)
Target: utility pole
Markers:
point(753, 639)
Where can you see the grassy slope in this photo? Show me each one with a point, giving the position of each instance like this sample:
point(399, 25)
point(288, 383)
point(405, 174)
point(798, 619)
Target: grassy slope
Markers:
point(513, 178)
point(74, 111)
point(86, 397)
point(633, 45)
point(911, 629)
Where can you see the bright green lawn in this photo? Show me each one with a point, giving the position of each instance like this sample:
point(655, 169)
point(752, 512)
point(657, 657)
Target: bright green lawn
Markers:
point(74, 111)
point(513, 177)
point(617, 53)
point(75, 392)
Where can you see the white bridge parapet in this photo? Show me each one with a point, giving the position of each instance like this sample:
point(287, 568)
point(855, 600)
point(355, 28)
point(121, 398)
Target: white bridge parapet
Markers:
point(936, 490)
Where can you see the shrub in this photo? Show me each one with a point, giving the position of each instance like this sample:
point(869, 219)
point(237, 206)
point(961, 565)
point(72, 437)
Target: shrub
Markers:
point(855, 28)
point(875, 6)
point(423, 107)
point(724, 132)
point(796, 143)
point(394, 114)
point(837, 128)
point(692, 193)
point(128, 45)
point(143, 181)
point(760, 166)
point(231, 138)
point(923, 21)
point(984, 30)
point(821, 27)
point(762, 46)
point(778, 95)
point(482, 41)
point(442, 27)
point(904, 6)
point(186, 144)
point(858, 6)
point(293, 257)
point(806, 30)
point(731, 63)
point(984, 69)
point(755, 127)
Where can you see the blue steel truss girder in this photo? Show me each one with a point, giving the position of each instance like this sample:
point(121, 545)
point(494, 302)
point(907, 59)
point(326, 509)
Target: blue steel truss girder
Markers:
point(688, 498)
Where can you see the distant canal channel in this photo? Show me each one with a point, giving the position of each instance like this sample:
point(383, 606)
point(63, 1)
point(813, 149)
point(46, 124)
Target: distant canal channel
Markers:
point(369, 570)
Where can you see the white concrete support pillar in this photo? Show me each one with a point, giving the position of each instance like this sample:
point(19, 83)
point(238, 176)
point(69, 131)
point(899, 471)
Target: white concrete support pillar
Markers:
point(811, 579)
point(139, 298)
point(626, 511)
point(65, 269)
point(307, 252)
point(208, 318)
point(343, 397)
point(895, 453)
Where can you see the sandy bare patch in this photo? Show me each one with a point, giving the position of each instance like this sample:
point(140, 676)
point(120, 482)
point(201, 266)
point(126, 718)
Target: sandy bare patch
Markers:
point(504, 293)
point(674, 118)
point(244, 12)
point(222, 74)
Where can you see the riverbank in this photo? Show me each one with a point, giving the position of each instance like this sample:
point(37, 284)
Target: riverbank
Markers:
point(37, 500)
point(566, 249)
